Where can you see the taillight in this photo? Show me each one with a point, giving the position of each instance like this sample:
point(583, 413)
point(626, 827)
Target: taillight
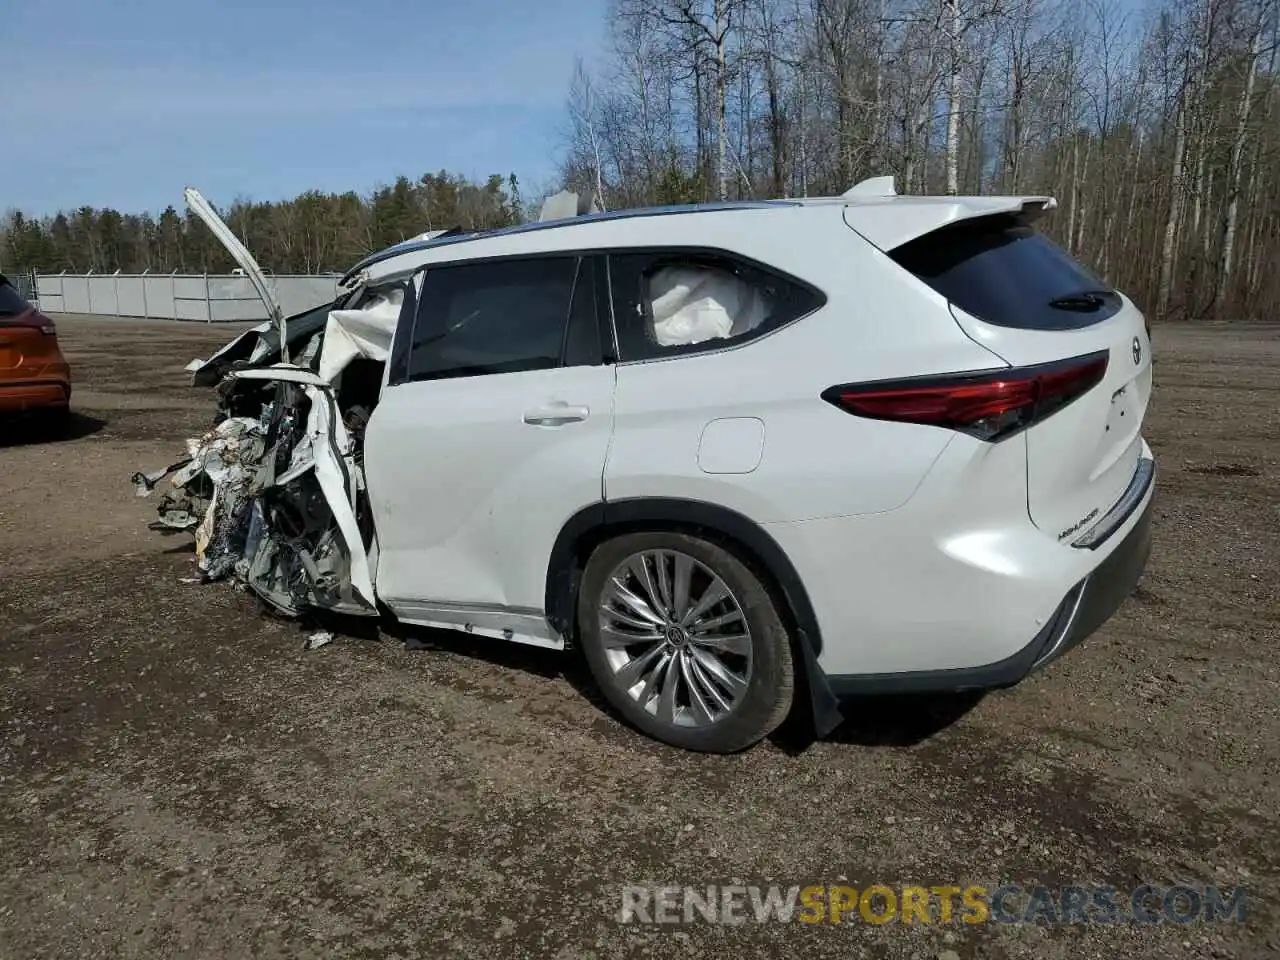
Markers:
point(990, 405)
point(31, 319)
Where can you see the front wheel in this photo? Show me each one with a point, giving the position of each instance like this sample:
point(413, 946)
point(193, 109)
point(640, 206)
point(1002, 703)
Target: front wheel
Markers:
point(685, 641)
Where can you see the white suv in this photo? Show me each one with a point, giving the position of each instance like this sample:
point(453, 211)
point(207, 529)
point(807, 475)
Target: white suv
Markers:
point(865, 444)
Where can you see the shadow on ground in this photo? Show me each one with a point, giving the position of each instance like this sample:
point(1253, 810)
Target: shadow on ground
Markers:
point(895, 721)
point(902, 721)
point(877, 721)
point(515, 656)
point(31, 429)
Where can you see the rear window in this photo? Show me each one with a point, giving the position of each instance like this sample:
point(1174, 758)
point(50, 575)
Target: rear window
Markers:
point(11, 302)
point(1003, 272)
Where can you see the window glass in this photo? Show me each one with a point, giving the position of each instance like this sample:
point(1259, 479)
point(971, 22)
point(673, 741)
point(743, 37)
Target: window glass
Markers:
point(12, 303)
point(668, 304)
point(1005, 273)
point(502, 316)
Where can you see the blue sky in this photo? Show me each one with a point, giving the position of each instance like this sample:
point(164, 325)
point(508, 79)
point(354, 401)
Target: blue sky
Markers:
point(122, 103)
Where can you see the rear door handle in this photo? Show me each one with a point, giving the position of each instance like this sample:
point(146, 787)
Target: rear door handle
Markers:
point(555, 415)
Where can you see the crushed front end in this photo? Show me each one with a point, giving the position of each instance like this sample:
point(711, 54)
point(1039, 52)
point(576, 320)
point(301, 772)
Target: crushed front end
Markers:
point(274, 491)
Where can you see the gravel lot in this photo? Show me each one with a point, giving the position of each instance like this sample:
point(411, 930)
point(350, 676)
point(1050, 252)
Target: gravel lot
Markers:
point(179, 778)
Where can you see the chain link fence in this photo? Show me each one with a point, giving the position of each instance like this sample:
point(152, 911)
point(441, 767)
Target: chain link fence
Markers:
point(203, 297)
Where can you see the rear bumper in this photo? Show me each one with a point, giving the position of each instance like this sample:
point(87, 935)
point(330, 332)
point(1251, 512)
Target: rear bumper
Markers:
point(1086, 607)
point(19, 396)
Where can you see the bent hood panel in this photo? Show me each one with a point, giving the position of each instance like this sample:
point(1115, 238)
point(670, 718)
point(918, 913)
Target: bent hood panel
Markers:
point(261, 344)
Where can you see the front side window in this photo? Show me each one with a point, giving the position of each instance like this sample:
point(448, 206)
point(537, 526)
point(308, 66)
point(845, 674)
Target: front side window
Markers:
point(673, 303)
point(501, 316)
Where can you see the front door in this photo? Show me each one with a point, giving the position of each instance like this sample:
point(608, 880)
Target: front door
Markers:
point(492, 431)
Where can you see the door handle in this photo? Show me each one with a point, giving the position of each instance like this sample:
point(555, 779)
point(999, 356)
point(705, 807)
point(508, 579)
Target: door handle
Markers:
point(555, 415)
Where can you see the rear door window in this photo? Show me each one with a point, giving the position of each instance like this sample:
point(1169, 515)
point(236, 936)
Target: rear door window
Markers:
point(12, 303)
point(1004, 272)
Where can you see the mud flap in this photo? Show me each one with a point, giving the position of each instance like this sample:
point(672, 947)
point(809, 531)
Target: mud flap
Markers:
point(823, 703)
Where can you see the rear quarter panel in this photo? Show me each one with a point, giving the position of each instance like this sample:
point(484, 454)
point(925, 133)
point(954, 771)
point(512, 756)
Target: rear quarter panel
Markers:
point(817, 460)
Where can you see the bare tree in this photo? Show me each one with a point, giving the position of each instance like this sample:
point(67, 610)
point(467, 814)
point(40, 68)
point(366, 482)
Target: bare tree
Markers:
point(1146, 124)
point(1231, 213)
point(583, 108)
point(952, 21)
point(708, 31)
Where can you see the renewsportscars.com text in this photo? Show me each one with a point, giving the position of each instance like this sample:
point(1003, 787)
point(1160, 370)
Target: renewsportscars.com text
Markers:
point(940, 904)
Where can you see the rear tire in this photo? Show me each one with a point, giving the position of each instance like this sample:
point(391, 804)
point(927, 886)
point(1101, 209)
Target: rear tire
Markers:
point(685, 641)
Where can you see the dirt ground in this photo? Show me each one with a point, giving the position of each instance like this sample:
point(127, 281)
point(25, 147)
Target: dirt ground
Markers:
point(178, 778)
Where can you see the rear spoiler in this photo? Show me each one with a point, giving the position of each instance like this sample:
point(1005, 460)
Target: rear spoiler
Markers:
point(889, 221)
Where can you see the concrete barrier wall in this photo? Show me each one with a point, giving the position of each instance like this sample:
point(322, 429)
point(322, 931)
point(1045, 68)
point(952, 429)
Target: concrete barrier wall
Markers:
point(191, 298)
point(131, 296)
point(204, 298)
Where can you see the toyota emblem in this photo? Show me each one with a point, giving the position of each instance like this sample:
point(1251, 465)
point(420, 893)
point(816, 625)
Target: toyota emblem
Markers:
point(1137, 350)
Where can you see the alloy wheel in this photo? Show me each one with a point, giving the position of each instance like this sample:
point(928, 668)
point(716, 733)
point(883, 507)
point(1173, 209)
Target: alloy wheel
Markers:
point(675, 638)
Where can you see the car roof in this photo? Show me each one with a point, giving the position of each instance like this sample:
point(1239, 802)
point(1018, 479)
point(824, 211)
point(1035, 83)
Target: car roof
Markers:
point(411, 246)
point(886, 220)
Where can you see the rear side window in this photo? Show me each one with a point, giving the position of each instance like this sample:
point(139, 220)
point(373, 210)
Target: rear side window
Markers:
point(502, 316)
point(12, 303)
point(1003, 272)
point(671, 303)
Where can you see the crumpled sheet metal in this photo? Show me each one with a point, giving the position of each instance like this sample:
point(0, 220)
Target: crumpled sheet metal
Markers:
point(252, 510)
point(323, 447)
point(228, 456)
point(366, 332)
point(228, 453)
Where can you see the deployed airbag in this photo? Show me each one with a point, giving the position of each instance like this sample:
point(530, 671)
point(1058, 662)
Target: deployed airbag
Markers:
point(692, 304)
point(365, 332)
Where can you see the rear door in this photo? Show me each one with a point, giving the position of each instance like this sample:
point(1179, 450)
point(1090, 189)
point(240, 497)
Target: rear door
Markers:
point(1028, 301)
point(491, 432)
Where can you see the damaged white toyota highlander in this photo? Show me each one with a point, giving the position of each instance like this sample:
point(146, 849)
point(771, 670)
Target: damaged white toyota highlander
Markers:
point(739, 454)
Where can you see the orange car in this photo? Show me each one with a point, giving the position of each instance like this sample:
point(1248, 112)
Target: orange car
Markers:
point(34, 375)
